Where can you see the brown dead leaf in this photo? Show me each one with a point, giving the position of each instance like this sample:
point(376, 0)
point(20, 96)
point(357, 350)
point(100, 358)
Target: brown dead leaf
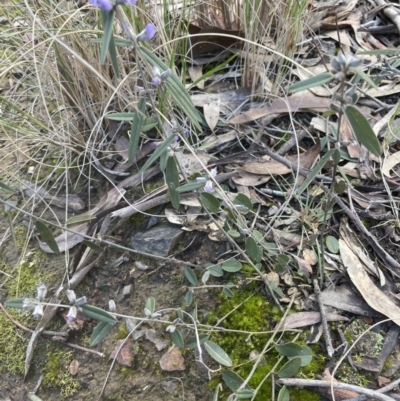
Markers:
point(304, 266)
point(304, 319)
point(245, 178)
point(211, 114)
point(196, 72)
point(372, 295)
point(302, 102)
point(124, 356)
point(273, 167)
point(389, 163)
point(172, 360)
point(310, 256)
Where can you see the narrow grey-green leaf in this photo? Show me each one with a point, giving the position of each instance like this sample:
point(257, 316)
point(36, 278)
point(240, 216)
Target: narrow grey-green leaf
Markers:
point(108, 19)
point(210, 202)
point(99, 333)
point(232, 380)
point(242, 199)
point(317, 168)
point(172, 178)
point(318, 80)
point(113, 55)
point(188, 298)
point(284, 394)
point(93, 246)
point(98, 314)
point(190, 275)
point(190, 186)
point(362, 130)
point(332, 244)
point(157, 153)
point(192, 341)
point(232, 266)
point(16, 303)
point(253, 250)
point(205, 277)
point(137, 124)
point(6, 187)
point(177, 339)
point(151, 304)
point(365, 77)
point(244, 393)
point(217, 353)
point(227, 292)
point(388, 52)
point(47, 236)
point(290, 368)
point(83, 218)
point(289, 349)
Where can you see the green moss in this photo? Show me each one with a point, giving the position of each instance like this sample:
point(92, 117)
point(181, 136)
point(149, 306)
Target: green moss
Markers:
point(122, 332)
point(303, 395)
point(13, 341)
point(56, 373)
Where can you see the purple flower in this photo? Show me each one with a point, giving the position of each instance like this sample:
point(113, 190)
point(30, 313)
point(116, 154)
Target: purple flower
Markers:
point(72, 313)
point(148, 33)
point(105, 5)
point(209, 187)
point(41, 292)
point(156, 81)
point(38, 312)
point(130, 2)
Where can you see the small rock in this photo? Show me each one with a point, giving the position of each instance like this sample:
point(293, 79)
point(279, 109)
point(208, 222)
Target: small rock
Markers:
point(73, 367)
point(157, 241)
point(127, 290)
point(124, 356)
point(170, 386)
point(130, 325)
point(160, 343)
point(172, 360)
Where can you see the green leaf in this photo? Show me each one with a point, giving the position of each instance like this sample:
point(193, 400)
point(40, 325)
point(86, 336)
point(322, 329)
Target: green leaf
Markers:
point(177, 339)
point(205, 277)
point(217, 353)
point(292, 350)
point(99, 333)
point(332, 244)
point(172, 178)
point(188, 298)
point(245, 393)
point(231, 266)
point(108, 19)
point(98, 314)
point(16, 303)
point(284, 394)
point(215, 271)
point(47, 236)
point(233, 233)
point(190, 275)
point(388, 52)
point(253, 250)
point(137, 124)
point(174, 87)
point(157, 153)
point(318, 80)
point(210, 202)
point(192, 341)
point(190, 186)
point(113, 55)
point(232, 380)
point(365, 77)
point(6, 187)
point(290, 368)
point(227, 292)
point(148, 123)
point(151, 304)
point(83, 218)
point(243, 200)
point(362, 130)
point(93, 246)
point(317, 168)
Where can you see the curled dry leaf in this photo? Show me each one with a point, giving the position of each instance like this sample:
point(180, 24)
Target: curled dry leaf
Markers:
point(372, 295)
point(390, 162)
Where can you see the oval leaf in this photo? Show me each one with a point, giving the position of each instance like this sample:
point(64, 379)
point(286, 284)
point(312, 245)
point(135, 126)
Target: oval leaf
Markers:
point(210, 202)
point(332, 244)
point(177, 339)
point(227, 292)
point(205, 277)
point(150, 304)
point(99, 333)
point(98, 314)
point(93, 246)
point(243, 200)
point(362, 130)
point(253, 250)
point(245, 393)
point(215, 271)
point(217, 353)
point(290, 368)
point(47, 236)
point(231, 266)
point(284, 394)
point(192, 341)
point(190, 275)
point(232, 380)
point(188, 298)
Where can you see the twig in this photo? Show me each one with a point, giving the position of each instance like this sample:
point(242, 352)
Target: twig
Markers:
point(328, 339)
point(343, 386)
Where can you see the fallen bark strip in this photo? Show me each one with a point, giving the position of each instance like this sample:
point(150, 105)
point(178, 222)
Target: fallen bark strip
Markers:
point(385, 389)
point(336, 386)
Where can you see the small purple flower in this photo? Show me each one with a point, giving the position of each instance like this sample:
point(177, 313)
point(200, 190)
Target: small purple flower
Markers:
point(105, 5)
point(130, 2)
point(148, 33)
point(209, 187)
point(41, 292)
point(38, 312)
point(156, 81)
point(72, 313)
